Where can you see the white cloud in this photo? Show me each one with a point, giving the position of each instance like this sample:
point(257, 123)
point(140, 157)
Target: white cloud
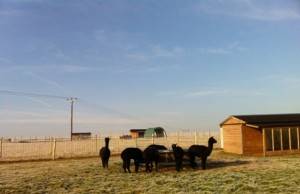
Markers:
point(170, 113)
point(206, 93)
point(289, 80)
point(65, 68)
point(100, 35)
point(77, 68)
point(5, 113)
point(158, 51)
point(251, 9)
point(210, 92)
point(228, 49)
point(45, 80)
point(224, 92)
point(59, 120)
point(221, 51)
point(10, 12)
point(5, 61)
point(42, 102)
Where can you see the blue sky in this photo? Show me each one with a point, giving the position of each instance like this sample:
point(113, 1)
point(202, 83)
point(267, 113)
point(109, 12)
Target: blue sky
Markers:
point(137, 64)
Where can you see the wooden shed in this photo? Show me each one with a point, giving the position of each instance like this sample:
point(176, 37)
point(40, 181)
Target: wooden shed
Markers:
point(137, 133)
point(150, 132)
point(261, 134)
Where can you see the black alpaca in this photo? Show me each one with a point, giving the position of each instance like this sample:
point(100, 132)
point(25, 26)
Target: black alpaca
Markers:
point(132, 153)
point(159, 147)
point(105, 153)
point(178, 155)
point(201, 151)
point(151, 154)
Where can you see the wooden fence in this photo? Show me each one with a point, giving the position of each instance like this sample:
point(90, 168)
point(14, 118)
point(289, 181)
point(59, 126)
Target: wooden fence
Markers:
point(56, 148)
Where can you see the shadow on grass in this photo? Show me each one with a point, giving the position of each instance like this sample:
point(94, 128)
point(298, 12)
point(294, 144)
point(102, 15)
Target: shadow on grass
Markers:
point(223, 163)
point(211, 164)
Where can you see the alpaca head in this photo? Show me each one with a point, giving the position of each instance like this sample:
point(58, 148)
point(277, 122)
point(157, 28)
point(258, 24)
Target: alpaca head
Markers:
point(212, 140)
point(106, 139)
point(173, 146)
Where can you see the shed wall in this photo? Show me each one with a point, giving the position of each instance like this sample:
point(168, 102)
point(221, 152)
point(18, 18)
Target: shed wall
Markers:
point(252, 140)
point(232, 138)
point(134, 134)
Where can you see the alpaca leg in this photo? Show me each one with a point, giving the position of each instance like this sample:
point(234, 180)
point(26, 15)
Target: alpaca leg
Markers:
point(156, 165)
point(151, 166)
point(203, 162)
point(128, 165)
point(177, 165)
point(106, 163)
point(147, 166)
point(103, 163)
point(192, 161)
point(180, 164)
point(136, 164)
point(124, 165)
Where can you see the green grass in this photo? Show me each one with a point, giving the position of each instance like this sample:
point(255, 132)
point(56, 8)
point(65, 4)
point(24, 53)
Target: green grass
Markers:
point(225, 174)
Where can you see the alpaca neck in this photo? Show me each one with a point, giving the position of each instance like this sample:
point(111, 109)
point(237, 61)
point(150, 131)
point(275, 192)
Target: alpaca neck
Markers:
point(106, 144)
point(210, 148)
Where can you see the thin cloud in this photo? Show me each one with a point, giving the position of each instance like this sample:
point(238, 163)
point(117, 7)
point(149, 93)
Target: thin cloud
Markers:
point(224, 92)
point(45, 80)
point(10, 12)
point(289, 80)
point(206, 93)
point(59, 120)
point(63, 68)
point(230, 48)
point(14, 113)
point(251, 9)
point(221, 51)
point(42, 102)
point(156, 51)
point(210, 93)
point(5, 61)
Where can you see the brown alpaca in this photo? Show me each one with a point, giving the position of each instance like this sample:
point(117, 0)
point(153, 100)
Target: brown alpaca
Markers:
point(201, 151)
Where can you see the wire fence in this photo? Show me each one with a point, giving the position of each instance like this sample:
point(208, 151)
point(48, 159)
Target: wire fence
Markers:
point(57, 148)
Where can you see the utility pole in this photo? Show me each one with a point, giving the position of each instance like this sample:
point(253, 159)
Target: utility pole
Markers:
point(72, 100)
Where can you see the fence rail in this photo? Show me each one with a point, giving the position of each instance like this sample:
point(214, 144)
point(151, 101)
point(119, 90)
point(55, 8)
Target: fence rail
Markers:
point(56, 148)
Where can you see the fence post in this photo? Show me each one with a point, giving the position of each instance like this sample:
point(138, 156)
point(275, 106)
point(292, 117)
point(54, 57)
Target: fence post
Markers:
point(195, 139)
point(53, 148)
point(177, 137)
point(1, 147)
point(136, 144)
point(96, 139)
point(118, 150)
point(152, 138)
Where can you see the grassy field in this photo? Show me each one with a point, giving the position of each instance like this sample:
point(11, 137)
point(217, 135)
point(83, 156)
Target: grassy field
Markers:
point(225, 174)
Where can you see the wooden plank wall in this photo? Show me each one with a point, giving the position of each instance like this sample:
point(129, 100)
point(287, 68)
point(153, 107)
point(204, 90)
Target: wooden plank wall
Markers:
point(232, 138)
point(252, 140)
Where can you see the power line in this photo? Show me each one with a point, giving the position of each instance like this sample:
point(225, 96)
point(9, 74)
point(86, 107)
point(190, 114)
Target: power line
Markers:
point(15, 93)
point(122, 114)
point(29, 94)
point(72, 100)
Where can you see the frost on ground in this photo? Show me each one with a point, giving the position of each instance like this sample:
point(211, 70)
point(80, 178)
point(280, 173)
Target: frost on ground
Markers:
point(225, 174)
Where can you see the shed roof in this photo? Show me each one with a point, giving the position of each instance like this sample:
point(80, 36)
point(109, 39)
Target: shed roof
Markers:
point(137, 130)
point(81, 133)
point(158, 131)
point(269, 120)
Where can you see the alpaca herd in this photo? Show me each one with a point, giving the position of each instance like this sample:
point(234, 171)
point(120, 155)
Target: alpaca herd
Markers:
point(152, 155)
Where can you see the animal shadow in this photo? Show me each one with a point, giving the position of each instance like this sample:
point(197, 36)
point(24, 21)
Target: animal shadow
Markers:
point(212, 164)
